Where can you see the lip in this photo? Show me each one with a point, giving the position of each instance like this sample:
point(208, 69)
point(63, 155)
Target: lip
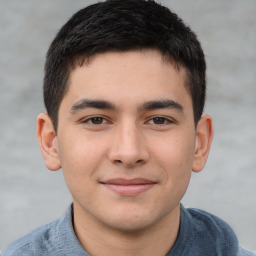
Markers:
point(129, 187)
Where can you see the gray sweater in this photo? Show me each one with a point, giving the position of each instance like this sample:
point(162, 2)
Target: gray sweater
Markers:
point(200, 234)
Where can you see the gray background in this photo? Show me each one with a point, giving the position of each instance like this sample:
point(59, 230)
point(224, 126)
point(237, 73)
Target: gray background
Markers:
point(30, 195)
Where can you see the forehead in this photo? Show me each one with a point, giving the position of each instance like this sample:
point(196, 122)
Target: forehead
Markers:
point(132, 76)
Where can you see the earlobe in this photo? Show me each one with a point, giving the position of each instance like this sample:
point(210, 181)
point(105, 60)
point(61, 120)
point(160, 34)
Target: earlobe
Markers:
point(204, 135)
point(48, 142)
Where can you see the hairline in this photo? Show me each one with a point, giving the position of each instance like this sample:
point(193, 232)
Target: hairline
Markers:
point(83, 59)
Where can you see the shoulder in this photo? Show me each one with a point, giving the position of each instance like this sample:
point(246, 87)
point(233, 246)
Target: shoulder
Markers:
point(36, 243)
point(210, 229)
point(244, 252)
point(212, 224)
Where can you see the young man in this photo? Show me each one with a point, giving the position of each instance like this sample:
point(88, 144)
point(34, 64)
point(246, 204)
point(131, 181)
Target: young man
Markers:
point(124, 90)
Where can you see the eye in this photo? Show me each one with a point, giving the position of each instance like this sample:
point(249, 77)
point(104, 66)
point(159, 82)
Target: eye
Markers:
point(159, 120)
point(96, 120)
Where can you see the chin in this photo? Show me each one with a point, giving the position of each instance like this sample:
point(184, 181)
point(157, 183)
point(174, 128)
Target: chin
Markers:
point(131, 222)
point(130, 226)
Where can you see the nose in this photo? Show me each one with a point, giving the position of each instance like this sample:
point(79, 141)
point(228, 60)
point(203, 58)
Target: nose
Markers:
point(128, 147)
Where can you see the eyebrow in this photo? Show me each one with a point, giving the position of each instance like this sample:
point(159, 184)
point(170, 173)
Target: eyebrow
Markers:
point(86, 103)
point(103, 104)
point(160, 104)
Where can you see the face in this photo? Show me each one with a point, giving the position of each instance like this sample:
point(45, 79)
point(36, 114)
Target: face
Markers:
point(126, 139)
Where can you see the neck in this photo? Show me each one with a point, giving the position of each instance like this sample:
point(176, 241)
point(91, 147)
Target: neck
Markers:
point(98, 239)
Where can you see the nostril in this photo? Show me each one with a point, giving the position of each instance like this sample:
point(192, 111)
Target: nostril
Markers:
point(129, 163)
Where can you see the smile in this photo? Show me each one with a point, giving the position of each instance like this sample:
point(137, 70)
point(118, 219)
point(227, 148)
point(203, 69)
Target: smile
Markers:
point(129, 187)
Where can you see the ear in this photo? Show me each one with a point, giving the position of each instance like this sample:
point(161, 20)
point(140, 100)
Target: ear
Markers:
point(48, 142)
point(204, 135)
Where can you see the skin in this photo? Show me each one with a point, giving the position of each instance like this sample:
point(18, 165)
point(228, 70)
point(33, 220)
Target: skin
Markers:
point(127, 145)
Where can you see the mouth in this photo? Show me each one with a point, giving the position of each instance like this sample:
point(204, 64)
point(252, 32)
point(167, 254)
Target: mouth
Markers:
point(129, 187)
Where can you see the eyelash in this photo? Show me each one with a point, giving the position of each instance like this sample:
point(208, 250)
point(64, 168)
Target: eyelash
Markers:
point(165, 121)
point(101, 120)
point(90, 120)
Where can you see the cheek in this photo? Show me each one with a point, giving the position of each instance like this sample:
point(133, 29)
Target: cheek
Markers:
point(177, 151)
point(80, 157)
point(79, 161)
point(175, 158)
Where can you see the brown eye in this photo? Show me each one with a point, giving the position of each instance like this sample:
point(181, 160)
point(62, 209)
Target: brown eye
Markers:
point(159, 120)
point(97, 120)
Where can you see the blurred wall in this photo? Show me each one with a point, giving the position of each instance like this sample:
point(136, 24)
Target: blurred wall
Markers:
point(31, 196)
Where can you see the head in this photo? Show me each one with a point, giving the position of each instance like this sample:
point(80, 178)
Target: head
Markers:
point(123, 26)
point(124, 87)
